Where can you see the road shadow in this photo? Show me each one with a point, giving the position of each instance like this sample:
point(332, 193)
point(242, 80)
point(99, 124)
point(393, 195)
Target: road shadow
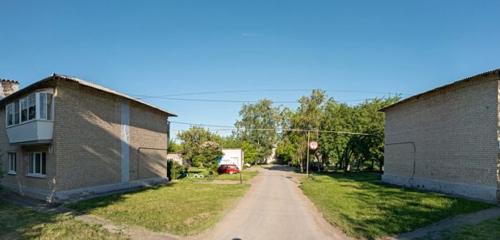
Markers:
point(282, 168)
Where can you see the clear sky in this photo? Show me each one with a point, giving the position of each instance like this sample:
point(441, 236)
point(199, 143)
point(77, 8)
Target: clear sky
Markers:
point(169, 47)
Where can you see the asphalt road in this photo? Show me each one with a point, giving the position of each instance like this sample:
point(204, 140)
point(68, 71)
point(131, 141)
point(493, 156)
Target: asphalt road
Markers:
point(274, 208)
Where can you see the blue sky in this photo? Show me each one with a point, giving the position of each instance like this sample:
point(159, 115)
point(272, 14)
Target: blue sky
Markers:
point(169, 47)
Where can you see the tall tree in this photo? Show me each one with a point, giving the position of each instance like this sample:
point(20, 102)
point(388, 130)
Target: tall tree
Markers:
point(257, 126)
point(200, 147)
point(336, 146)
point(173, 147)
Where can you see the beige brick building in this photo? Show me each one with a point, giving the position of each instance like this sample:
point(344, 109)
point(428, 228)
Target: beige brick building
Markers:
point(447, 139)
point(63, 137)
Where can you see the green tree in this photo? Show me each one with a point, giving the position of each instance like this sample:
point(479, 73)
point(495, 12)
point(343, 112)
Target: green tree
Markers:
point(231, 141)
point(208, 155)
point(336, 146)
point(257, 126)
point(198, 147)
point(173, 147)
point(250, 152)
point(293, 144)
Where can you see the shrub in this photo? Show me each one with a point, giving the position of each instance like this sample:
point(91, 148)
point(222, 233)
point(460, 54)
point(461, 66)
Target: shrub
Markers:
point(175, 170)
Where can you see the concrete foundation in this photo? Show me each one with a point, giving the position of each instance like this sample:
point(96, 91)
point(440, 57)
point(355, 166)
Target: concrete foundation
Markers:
point(477, 192)
point(83, 193)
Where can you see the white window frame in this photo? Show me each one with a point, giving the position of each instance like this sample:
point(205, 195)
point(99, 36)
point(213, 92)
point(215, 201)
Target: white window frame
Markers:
point(12, 163)
point(32, 164)
point(23, 101)
point(48, 110)
point(39, 107)
point(9, 109)
point(33, 104)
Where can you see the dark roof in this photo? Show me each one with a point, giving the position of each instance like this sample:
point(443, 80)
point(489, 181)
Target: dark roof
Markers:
point(415, 97)
point(83, 83)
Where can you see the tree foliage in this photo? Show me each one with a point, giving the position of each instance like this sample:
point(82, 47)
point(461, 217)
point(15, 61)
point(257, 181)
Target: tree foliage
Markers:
point(257, 129)
point(262, 126)
point(336, 148)
point(173, 147)
point(207, 157)
point(200, 147)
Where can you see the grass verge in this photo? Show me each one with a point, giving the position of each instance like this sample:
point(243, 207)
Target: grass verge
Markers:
point(246, 174)
point(181, 208)
point(22, 223)
point(364, 208)
point(487, 230)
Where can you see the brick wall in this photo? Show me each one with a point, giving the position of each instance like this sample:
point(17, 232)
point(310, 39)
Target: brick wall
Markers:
point(87, 142)
point(86, 150)
point(147, 134)
point(20, 182)
point(446, 141)
point(86, 136)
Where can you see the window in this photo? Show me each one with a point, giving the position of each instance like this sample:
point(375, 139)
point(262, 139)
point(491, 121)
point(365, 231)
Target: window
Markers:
point(38, 163)
point(12, 110)
point(45, 101)
point(10, 114)
point(12, 162)
point(49, 106)
point(16, 112)
point(26, 108)
point(31, 107)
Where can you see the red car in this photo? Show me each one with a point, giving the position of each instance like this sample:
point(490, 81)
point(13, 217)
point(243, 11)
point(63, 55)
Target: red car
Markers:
point(228, 168)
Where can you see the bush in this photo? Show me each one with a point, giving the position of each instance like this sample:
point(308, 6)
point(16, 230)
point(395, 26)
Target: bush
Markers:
point(175, 170)
point(208, 156)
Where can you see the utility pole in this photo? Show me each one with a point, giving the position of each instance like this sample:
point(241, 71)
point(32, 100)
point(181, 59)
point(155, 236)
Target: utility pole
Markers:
point(308, 139)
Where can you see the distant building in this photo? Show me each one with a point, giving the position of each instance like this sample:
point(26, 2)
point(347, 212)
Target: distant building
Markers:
point(271, 158)
point(63, 137)
point(176, 157)
point(447, 139)
point(233, 156)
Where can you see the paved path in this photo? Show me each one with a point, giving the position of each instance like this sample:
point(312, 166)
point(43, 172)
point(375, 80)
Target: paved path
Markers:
point(274, 208)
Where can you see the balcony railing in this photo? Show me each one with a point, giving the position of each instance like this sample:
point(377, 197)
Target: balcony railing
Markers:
point(31, 132)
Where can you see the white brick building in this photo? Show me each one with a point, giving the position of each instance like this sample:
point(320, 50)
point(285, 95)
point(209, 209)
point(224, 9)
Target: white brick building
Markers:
point(62, 137)
point(447, 139)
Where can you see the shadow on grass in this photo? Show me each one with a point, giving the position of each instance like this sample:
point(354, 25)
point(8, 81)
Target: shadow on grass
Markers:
point(371, 209)
point(86, 206)
point(18, 222)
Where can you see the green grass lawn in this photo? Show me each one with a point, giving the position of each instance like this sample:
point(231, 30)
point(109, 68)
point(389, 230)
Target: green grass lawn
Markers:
point(364, 208)
point(246, 174)
point(181, 208)
point(487, 230)
point(22, 223)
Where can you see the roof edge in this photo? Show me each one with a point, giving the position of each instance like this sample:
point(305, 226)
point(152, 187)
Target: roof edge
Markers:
point(83, 83)
point(471, 78)
point(111, 91)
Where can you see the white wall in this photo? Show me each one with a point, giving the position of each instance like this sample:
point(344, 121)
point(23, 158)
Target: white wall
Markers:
point(232, 156)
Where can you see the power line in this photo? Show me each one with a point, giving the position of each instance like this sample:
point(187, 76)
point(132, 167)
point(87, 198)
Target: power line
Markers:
point(216, 100)
point(246, 101)
point(202, 125)
point(231, 128)
point(142, 96)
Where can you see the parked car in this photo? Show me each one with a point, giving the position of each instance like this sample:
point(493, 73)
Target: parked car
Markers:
point(228, 168)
